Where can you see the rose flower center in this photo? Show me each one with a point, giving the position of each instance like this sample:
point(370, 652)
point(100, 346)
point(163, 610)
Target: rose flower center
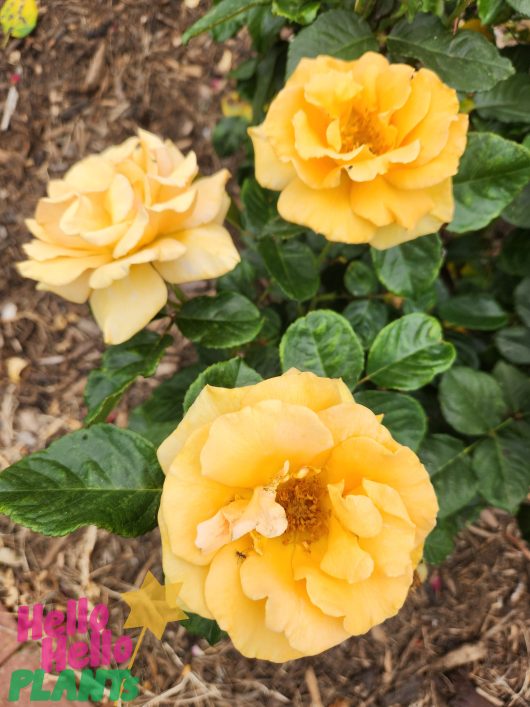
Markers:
point(362, 128)
point(303, 502)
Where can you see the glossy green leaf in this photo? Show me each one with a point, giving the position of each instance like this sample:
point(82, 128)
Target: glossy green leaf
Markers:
point(439, 544)
point(102, 476)
point(259, 206)
point(233, 373)
point(410, 268)
point(301, 11)
point(241, 279)
point(488, 10)
point(471, 401)
point(403, 415)
point(465, 60)
point(223, 321)
point(337, 33)
point(408, 353)
point(360, 279)
point(518, 212)
point(205, 628)
point(367, 317)
point(452, 475)
point(292, 265)
point(508, 101)
point(120, 367)
point(522, 6)
point(224, 12)
point(492, 172)
point(160, 414)
point(522, 300)
point(515, 254)
point(514, 344)
point(501, 463)
point(478, 311)
point(325, 343)
point(515, 387)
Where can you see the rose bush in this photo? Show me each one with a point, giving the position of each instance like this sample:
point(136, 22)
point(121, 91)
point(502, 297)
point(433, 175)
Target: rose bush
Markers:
point(290, 514)
point(362, 151)
point(293, 513)
point(121, 223)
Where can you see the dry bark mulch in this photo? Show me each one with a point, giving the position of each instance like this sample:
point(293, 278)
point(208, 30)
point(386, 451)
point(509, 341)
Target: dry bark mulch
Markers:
point(91, 73)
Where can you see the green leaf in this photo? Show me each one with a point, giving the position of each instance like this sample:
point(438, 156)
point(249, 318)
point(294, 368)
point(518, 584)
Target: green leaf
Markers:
point(508, 101)
point(474, 311)
point(439, 544)
point(452, 475)
point(241, 279)
point(292, 265)
point(301, 11)
point(323, 342)
point(224, 12)
point(408, 353)
point(337, 33)
point(359, 279)
point(515, 254)
point(515, 387)
point(233, 373)
point(223, 321)
point(120, 367)
point(501, 464)
point(229, 135)
point(522, 6)
point(102, 476)
point(403, 415)
point(514, 344)
point(410, 268)
point(522, 300)
point(465, 60)
point(488, 10)
point(438, 451)
point(160, 414)
point(492, 172)
point(259, 206)
point(205, 628)
point(471, 401)
point(367, 318)
point(518, 212)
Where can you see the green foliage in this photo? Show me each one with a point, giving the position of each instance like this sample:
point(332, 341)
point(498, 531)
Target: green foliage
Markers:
point(492, 172)
point(337, 33)
point(508, 101)
point(367, 317)
point(292, 265)
point(100, 476)
point(160, 414)
point(225, 374)
point(223, 321)
point(471, 401)
point(408, 353)
point(465, 60)
point(120, 367)
point(403, 415)
point(223, 13)
point(205, 628)
point(301, 11)
point(409, 269)
point(323, 342)
point(359, 279)
point(477, 311)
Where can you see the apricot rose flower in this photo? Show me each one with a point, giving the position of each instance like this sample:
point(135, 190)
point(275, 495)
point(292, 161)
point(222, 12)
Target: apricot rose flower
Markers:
point(123, 221)
point(362, 151)
point(290, 514)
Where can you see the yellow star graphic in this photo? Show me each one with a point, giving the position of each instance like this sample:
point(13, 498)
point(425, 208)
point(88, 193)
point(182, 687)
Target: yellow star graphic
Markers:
point(153, 605)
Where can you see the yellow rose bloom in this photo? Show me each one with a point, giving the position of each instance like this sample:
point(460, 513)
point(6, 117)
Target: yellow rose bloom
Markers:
point(290, 514)
point(362, 151)
point(123, 221)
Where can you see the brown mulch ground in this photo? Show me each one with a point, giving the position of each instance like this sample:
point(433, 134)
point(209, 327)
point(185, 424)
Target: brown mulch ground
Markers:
point(92, 72)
